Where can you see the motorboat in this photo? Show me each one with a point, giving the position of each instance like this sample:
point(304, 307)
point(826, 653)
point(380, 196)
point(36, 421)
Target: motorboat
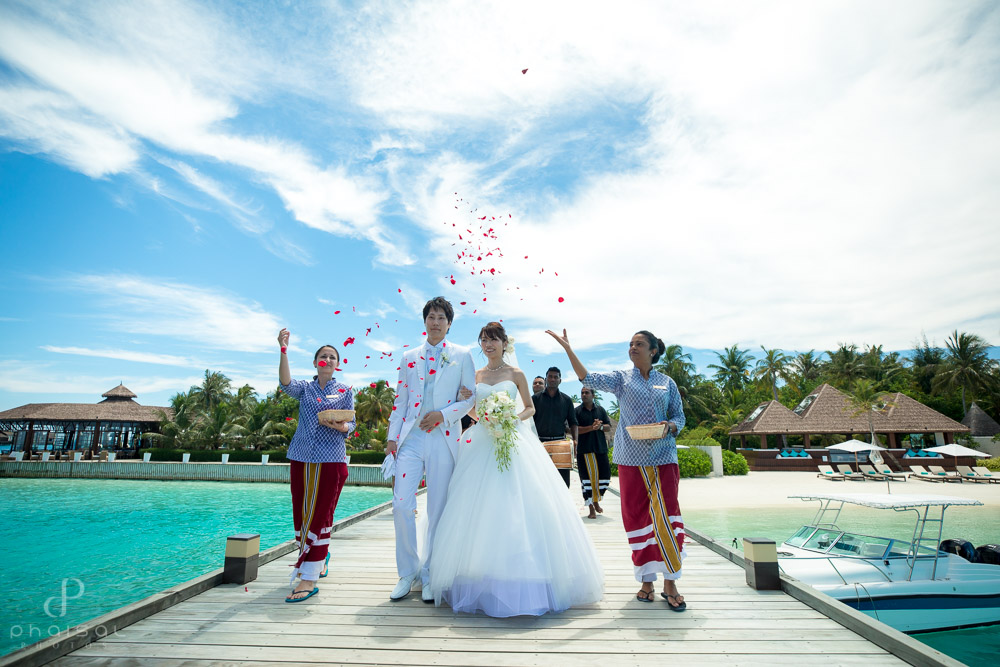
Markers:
point(918, 585)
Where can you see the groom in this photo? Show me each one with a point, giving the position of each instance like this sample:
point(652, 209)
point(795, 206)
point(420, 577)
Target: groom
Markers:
point(426, 423)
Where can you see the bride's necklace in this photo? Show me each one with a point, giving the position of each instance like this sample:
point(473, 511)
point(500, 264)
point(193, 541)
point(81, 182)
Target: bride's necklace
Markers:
point(502, 364)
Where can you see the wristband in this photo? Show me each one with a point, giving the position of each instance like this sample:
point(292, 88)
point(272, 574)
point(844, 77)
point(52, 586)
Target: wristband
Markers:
point(284, 349)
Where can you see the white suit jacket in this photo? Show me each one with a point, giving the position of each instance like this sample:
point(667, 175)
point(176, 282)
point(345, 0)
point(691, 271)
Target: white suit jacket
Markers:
point(455, 370)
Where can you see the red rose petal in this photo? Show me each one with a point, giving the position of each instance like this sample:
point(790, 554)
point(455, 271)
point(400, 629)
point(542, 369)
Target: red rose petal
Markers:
point(336, 312)
point(321, 363)
point(432, 371)
point(524, 71)
point(561, 299)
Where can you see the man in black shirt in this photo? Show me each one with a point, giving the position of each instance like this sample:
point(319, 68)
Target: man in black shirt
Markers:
point(592, 452)
point(553, 411)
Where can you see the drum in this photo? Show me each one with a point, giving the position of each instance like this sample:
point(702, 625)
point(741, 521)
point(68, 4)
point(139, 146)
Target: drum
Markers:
point(561, 452)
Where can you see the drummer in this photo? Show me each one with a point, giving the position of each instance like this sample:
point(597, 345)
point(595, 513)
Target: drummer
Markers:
point(553, 412)
point(647, 468)
point(317, 462)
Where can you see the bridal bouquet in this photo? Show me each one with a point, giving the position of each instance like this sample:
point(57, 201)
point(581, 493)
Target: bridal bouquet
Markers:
point(499, 414)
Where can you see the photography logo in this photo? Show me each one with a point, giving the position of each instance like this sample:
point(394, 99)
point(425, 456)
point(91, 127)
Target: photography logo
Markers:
point(60, 602)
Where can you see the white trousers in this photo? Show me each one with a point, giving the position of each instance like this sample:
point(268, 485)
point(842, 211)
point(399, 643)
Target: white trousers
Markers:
point(421, 453)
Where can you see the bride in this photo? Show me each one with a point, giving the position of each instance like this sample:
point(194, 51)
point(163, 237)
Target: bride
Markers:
point(510, 541)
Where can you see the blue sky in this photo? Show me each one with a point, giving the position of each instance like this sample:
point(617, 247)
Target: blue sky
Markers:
point(178, 180)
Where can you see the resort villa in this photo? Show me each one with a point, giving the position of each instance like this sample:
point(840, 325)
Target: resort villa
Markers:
point(828, 412)
point(114, 424)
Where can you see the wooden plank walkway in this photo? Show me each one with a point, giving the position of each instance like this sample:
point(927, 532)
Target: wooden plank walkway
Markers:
point(352, 621)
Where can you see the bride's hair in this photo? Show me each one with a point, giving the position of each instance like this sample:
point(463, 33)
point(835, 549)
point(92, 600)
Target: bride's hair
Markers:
point(493, 330)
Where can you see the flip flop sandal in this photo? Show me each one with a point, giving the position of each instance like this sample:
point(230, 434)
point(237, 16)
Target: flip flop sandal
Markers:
point(326, 566)
point(648, 598)
point(681, 604)
point(311, 593)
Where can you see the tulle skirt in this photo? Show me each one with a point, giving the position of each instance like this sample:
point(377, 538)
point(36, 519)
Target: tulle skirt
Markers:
point(511, 543)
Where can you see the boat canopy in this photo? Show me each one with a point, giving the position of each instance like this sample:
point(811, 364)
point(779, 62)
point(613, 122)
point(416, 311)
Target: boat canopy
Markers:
point(886, 501)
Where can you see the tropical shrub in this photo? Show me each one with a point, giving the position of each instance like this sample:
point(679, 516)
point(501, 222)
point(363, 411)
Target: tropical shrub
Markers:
point(694, 462)
point(366, 456)
point(992, 464)
point(734, 463)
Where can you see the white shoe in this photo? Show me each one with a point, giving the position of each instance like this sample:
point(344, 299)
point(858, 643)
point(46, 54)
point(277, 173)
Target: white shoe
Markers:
point(427, 595)
point(402, 588)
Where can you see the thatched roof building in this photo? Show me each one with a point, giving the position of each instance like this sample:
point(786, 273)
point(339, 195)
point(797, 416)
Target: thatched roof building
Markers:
point(828, 411)
point(116, 422)
point(980, 423)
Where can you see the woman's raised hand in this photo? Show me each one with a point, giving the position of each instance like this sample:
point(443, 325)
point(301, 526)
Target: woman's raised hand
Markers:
point(283, 337)
point(562, 340)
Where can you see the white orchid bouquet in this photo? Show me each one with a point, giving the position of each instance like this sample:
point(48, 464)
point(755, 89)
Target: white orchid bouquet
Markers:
point(498, 413)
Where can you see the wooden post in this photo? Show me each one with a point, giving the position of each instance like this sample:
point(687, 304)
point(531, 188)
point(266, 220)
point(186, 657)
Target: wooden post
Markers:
point(28, 439)
point(763, 441)
point(805, 441)
point(892, 440)
point(949, 438)
point(761, 563)
point(242, 553)
point(743, 441)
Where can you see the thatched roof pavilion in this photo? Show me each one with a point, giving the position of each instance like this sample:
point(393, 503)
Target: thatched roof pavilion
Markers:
point(980, 423)
point(828, 411)
point(114, 423)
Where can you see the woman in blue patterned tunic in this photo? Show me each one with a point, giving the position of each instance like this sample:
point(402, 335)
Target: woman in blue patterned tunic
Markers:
point(317, 457)
point(647, 469)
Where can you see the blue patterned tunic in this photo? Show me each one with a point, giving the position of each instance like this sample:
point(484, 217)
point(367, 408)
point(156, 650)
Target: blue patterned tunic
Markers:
point(642, 401)
point(313, 443)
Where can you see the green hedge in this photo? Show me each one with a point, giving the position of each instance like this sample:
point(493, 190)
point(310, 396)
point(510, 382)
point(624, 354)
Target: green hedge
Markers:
point(215, 455)
point(366, 456)
point(694, 462)
point(992, 464)
point(734, 463)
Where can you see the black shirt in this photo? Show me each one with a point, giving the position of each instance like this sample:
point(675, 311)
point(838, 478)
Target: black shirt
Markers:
point(594, 442)
point(552, 414)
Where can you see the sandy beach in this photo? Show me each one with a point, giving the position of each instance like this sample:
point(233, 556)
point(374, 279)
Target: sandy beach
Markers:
point(771, 489)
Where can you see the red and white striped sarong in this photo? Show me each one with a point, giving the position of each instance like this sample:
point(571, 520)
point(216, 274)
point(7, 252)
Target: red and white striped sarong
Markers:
point(652, 518)
point(316, 489)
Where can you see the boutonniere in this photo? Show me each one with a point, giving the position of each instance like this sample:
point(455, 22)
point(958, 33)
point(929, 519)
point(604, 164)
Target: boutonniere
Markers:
point(445, 358)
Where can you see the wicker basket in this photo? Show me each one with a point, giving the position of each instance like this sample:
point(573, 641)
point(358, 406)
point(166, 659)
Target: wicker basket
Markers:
point(561, 452)
point(336, 415)
point(646, 431)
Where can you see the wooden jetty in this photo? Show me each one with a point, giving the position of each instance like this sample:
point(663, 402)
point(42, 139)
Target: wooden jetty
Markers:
point(352, 621)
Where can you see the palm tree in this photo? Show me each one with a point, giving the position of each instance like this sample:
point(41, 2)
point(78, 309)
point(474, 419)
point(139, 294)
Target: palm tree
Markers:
point(879, 367)
point(677, 364)
point(179, 431)
point(733, 368)
point(256, 428)
point(218, 427)
point(725, 421)
point(866, 399)
point(926, 362)
point(807, 366)
point(373, 404)
point(844, 366)
point(772, 366)
point(968, 364)
point(213, 390)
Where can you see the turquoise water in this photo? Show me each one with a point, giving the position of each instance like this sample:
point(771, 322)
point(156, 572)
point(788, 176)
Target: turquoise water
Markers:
point(979, 525)
point(124, 540)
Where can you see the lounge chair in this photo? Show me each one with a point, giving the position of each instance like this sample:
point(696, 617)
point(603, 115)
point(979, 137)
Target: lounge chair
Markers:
point(920, 473)
point(846, 471)
point(870, 472)
point(983, 471)
point(948, 475)
point(894, 475)
point(968, 475)
point(829, 473)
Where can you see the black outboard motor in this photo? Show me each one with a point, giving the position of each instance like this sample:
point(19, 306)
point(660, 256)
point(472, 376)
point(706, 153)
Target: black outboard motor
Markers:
point(963, 548)
point(989, 554)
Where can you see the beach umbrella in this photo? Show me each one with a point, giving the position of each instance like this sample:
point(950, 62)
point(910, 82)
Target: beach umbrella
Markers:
point(855, 446)
point(957, 450)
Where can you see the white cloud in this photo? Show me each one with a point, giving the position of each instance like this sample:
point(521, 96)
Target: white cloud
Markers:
point(41, 378)
point(125, 355)
point(206, 317)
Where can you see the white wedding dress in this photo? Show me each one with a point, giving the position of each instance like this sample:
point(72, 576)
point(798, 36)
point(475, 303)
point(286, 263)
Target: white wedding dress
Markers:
point(511, 543)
